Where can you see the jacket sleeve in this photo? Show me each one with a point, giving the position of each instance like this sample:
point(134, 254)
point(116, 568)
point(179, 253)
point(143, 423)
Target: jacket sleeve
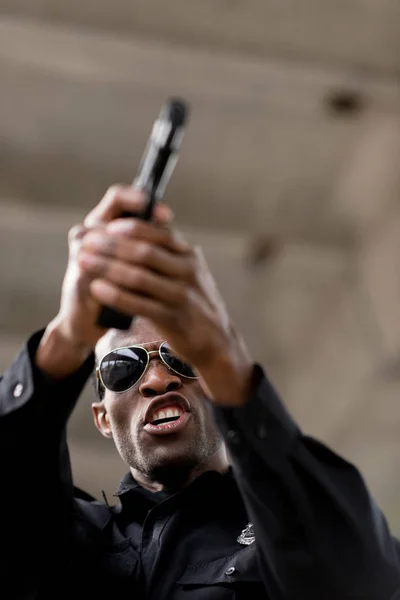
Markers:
point(318, 532)
point(35, 474)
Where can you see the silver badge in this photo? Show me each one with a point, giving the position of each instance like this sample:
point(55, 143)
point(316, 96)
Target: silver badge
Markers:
point(247, 536)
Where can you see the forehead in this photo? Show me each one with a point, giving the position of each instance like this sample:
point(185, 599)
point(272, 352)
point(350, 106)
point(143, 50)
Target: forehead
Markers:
point(140, 332)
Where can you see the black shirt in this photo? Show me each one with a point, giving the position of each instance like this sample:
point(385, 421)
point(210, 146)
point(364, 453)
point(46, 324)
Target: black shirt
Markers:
point(203, 522)
point(138, 503)
point(311, 529)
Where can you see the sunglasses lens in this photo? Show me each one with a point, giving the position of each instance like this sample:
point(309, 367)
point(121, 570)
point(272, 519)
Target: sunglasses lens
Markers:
point(122, 368)
point(175, 363)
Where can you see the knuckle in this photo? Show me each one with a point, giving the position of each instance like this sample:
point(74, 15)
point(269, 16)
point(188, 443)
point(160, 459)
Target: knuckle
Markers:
point(122, 228)
point(144, 253)
point(76, 232)
point(108, 245)
point(113, 192)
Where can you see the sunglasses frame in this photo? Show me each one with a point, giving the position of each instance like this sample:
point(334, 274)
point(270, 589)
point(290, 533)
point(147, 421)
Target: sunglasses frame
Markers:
point(148, 352)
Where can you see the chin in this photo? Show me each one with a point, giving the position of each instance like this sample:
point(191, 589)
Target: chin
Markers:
point(172, 471)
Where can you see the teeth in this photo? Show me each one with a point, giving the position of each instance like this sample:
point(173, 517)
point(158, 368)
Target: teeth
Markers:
point(167, 413)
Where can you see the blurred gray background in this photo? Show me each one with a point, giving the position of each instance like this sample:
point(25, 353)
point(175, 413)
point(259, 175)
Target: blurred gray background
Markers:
point(289, 177)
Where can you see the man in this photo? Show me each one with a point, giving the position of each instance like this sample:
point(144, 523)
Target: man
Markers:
point(224, 496)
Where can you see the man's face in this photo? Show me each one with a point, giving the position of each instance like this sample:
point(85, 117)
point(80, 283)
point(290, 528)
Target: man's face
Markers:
point(126, 416)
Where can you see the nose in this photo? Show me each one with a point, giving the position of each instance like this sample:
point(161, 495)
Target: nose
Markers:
point(158, 380)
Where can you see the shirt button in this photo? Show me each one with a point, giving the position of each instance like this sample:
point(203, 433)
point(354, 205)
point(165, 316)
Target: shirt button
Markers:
point(19, 388)
point(233, 436)
point(230, 571)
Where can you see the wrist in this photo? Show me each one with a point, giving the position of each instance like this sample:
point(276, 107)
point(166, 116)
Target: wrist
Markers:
point(59, 354)
point(228, 376)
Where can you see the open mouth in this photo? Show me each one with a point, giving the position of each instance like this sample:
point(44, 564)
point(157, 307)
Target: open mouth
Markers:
point(167, 414)
point(168, 419)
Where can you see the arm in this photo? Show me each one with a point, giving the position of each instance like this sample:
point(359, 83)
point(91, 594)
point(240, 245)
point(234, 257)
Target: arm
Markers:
point(40, 390)
point(37, 396)
point(36, 482)
point(318, 532)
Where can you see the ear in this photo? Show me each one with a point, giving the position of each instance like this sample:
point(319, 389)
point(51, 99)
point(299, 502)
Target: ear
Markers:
point(101, 419)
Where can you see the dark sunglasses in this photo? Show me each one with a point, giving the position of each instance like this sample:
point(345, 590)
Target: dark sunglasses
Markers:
point(122, 368)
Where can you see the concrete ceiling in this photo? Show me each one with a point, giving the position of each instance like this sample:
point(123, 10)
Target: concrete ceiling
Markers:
point(352, 34)
point(288, 177)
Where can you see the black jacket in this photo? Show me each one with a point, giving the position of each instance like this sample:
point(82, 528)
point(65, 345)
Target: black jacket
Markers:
point(290, 521)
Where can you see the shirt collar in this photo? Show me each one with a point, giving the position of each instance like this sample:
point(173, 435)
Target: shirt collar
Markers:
point(129, 483)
